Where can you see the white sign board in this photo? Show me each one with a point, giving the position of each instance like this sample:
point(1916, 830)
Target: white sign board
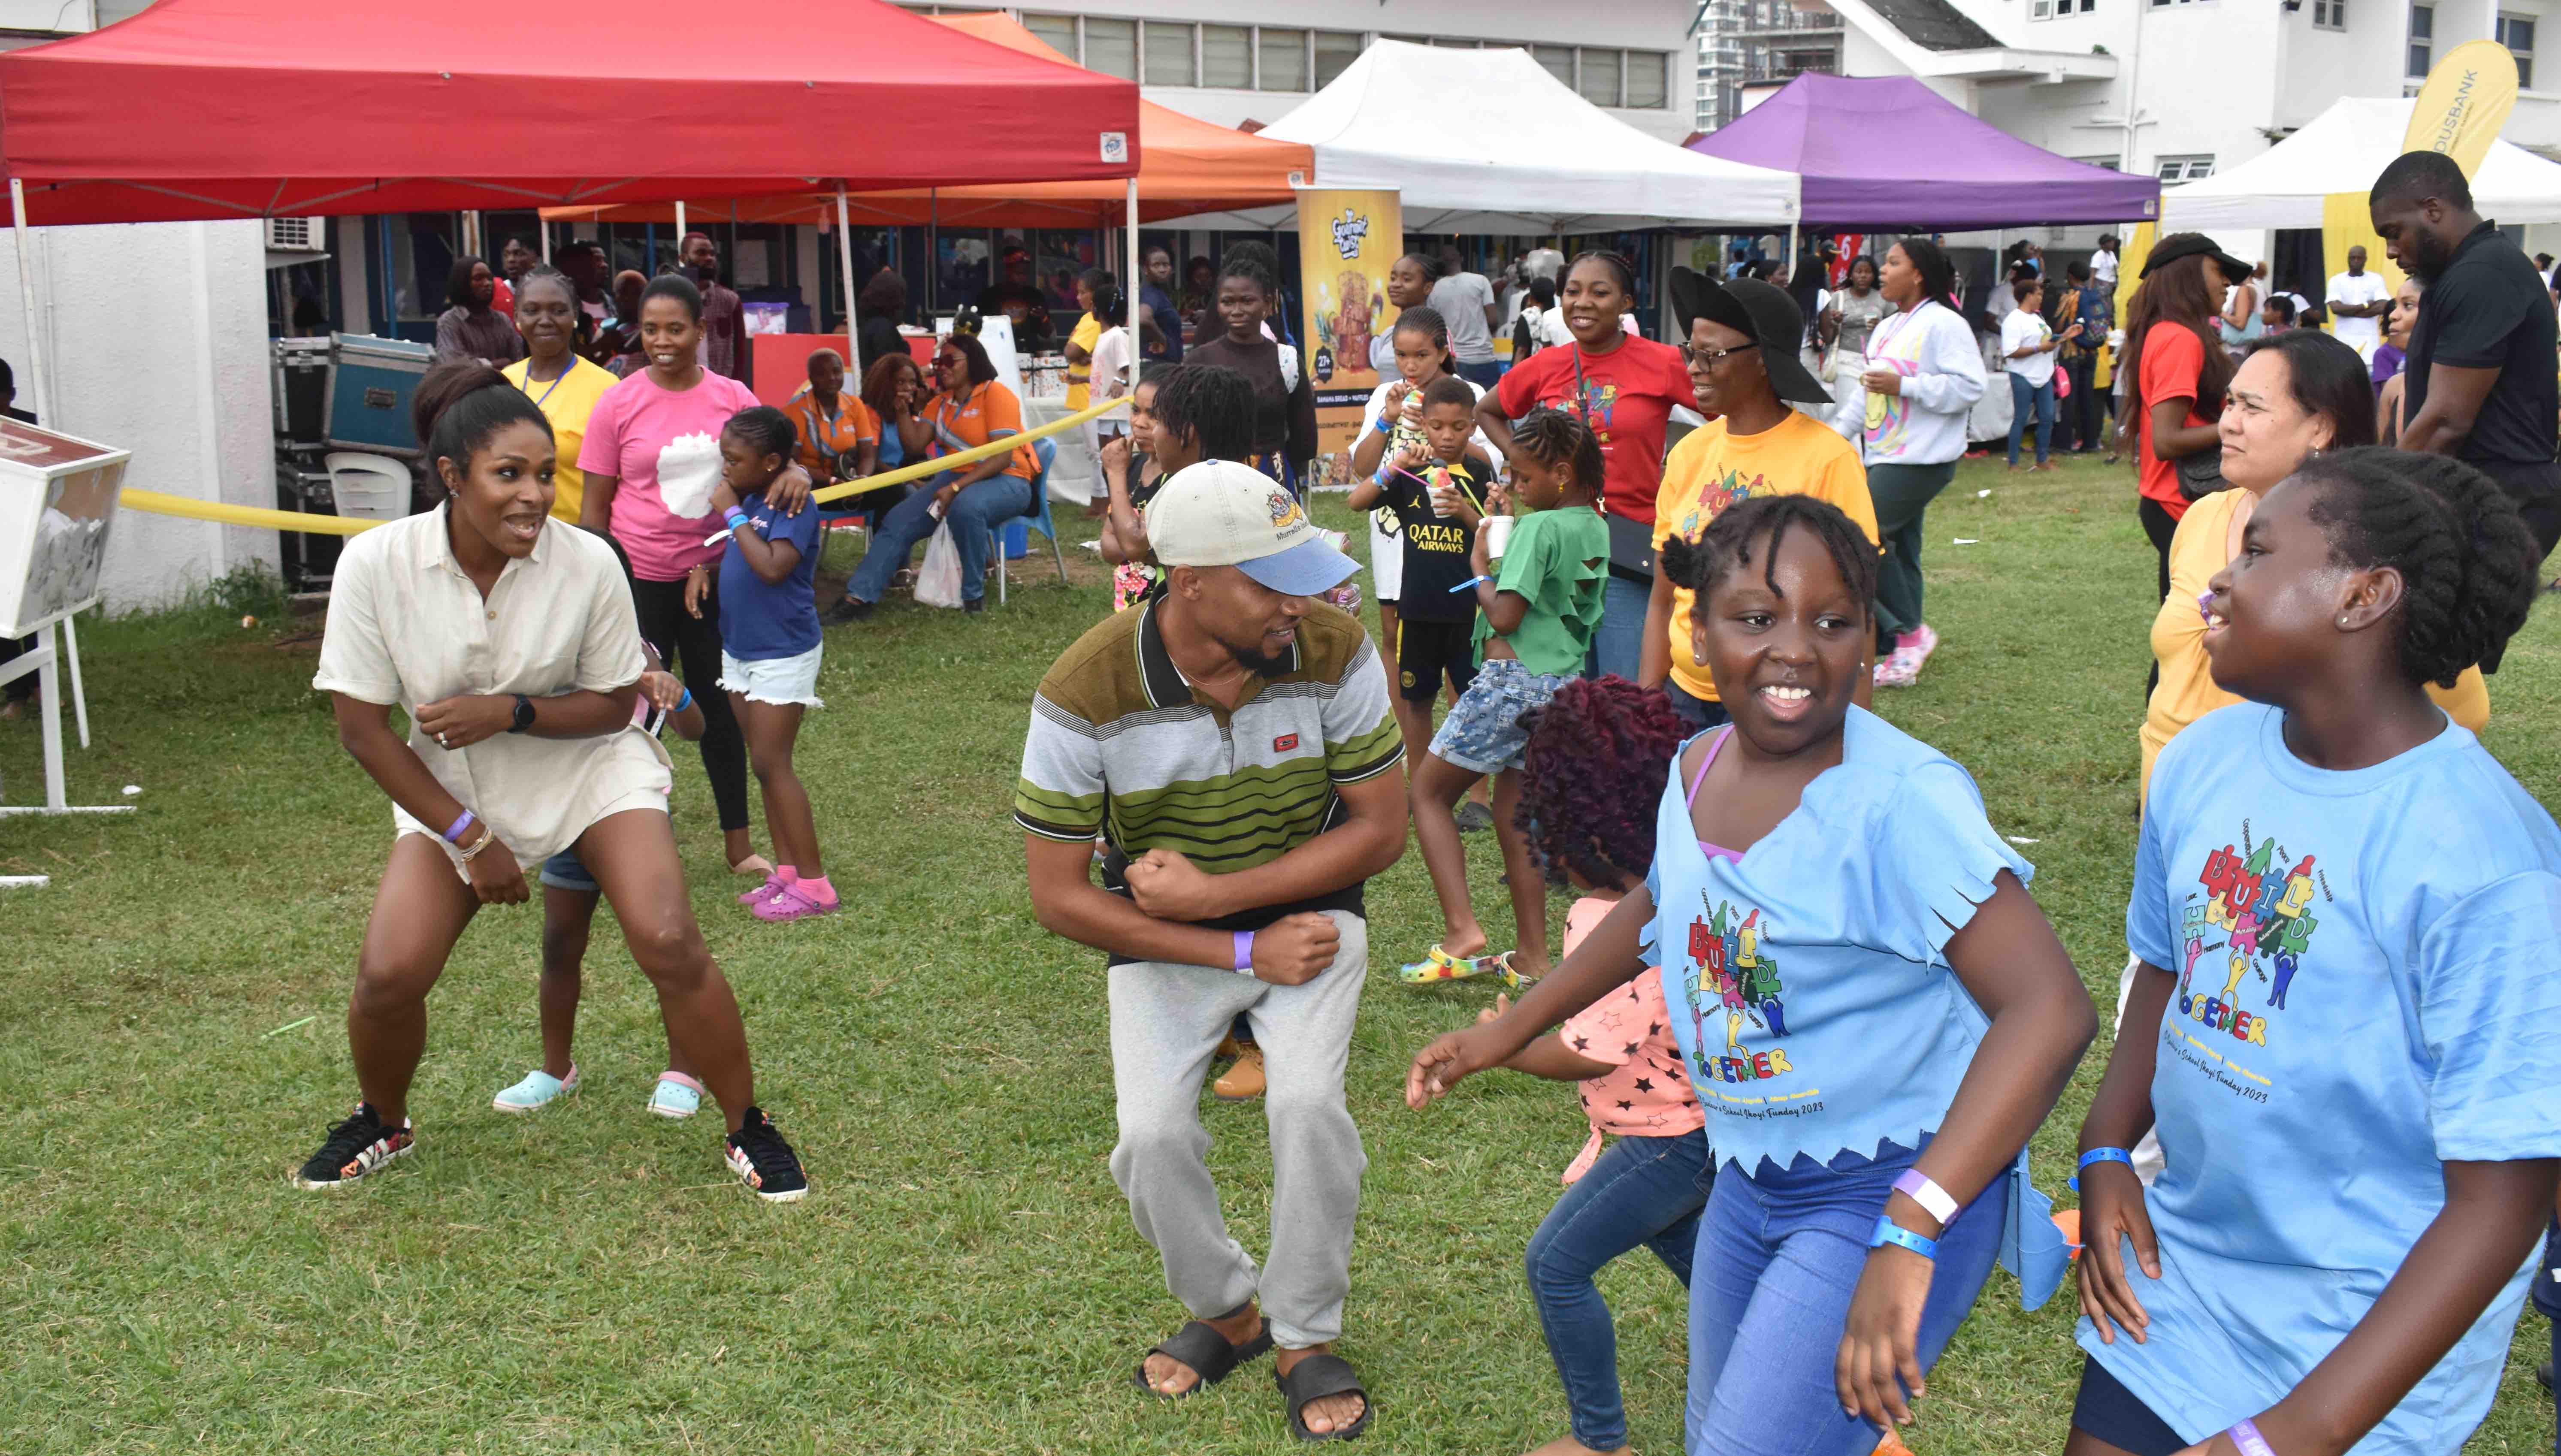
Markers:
point(57, 498)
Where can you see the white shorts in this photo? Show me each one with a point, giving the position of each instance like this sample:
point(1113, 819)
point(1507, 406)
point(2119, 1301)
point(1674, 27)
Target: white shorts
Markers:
point(1386, 557)
point(775, 679)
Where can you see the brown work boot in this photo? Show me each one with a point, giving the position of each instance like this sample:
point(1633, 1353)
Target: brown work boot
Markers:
point(1245, 1081)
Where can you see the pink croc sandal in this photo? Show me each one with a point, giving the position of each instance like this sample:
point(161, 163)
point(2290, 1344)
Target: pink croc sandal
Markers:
point(789, 903)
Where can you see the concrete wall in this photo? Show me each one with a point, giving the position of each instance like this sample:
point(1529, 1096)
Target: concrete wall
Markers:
point(156, 334)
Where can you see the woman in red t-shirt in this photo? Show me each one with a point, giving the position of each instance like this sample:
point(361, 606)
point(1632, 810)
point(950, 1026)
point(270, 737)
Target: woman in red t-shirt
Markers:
point(1624, 387)
point(2180, 369)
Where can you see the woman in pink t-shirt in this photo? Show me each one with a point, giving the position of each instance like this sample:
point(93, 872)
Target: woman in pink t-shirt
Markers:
point(1598, 756)
point(651, 458)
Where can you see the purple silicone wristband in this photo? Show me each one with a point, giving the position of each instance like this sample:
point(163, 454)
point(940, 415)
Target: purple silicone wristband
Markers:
point(453, 833)
point(2245, 1434)
point(1244, 951)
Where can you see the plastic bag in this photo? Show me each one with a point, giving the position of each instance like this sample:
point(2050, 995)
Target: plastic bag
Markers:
point(938, 584)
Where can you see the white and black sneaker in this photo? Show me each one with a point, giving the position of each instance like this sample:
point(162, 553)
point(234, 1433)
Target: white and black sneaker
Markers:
point(765, 1161)
point(361, 1145)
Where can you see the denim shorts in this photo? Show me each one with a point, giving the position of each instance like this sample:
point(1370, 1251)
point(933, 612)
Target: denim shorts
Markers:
point(564, 871)
point(775, 679)
point(1482, 735)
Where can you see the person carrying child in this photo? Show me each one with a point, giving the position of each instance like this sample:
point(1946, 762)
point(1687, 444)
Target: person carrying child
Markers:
point(2343, 1025)
point(1873, 1010)
point(1536, 624)
point(771, 646)
point(569, 896)
point(1435, 489)
point(1595, 751)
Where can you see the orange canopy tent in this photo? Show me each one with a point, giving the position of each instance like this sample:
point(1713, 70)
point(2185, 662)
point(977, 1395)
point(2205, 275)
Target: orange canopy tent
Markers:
point(1185, 166)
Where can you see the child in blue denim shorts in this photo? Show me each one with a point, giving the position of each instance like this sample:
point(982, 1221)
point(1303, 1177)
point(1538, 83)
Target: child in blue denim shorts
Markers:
point(1538, 609)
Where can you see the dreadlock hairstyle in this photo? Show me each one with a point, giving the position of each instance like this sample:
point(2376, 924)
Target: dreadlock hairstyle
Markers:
point(1728, 542)
point(1210, 402)
point(2466, 557)
point(1597, 751)
point(1427, 322)
point(1561, 441)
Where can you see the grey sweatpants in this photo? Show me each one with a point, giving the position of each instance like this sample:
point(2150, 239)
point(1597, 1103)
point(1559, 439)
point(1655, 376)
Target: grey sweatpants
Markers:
point(1167, 1022)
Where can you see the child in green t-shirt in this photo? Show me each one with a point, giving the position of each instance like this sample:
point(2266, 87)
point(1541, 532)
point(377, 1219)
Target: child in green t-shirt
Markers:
point(1538, 608)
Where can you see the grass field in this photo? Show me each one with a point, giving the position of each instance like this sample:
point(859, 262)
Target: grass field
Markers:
point(963, 1277)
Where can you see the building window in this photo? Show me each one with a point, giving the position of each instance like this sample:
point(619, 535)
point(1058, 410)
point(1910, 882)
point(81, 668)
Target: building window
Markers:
point(1169, 54)
point(2183, 169)
point(2516, 32)
point(1057, 31)
point(2050, 9)
point(1282, 56)
point(1600, 84)
point(2166, 4)
point(2108, 161)
point(1227, 57)
point(2423, 39)
point(1559, 61)
point(1335, 52)
point(2329, 14)
point(1112, 47)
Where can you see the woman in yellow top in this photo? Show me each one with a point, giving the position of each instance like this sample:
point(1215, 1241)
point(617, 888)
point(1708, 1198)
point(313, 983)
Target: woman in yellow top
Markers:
point(2295, 395)
point(560, 384)
point(1080, 344)
point(1740, 347)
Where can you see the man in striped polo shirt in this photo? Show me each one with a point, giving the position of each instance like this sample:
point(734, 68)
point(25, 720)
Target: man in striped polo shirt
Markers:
point(1232, 743)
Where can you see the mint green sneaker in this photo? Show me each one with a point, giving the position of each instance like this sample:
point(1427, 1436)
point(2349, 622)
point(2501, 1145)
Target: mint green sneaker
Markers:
point(676, 1095)
point(536, 1091)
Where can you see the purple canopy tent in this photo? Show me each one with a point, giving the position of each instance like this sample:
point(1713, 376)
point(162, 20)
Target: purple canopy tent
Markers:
point(1890, 153)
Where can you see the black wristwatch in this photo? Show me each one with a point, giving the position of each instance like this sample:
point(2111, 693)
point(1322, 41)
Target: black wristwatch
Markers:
point(524, 714)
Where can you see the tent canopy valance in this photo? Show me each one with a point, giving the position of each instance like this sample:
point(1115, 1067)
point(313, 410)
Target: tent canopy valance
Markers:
point(1888, 152)
point(1488, 141)
point(2344, 149)
point(241, 108)
point(1187, 166)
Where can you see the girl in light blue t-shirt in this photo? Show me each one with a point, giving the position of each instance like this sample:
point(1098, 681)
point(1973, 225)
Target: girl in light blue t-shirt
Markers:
point(2346, 1028)
point(1872, 1011)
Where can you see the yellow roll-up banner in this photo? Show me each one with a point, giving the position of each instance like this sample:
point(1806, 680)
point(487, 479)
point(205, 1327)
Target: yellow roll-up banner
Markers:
point(1347, 240)
point(2459, 112)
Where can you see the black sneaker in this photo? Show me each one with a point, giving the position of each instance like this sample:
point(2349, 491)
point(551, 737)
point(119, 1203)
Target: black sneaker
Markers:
point(849, 608)
point(361, 1145)
point(1473, 816)
point(973, 605)
point(765, 1161)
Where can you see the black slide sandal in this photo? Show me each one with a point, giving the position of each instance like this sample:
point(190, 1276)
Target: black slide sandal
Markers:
point(1205, 1351)
point(1315, 1378)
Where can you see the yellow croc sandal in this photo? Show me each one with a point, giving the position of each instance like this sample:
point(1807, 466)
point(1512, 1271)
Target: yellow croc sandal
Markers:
point(1439, 965)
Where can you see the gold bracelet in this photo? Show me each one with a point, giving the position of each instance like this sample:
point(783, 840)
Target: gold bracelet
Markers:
point(487, 835)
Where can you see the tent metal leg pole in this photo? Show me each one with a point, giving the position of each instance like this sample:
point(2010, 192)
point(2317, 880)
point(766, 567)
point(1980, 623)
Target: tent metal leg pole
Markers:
point(1129, 289)
point(547, 245)
point(43, 392)
point(80, 696)
point(680, 235)
point(845, 257)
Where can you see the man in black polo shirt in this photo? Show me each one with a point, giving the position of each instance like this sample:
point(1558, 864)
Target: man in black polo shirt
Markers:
point(2480, 383)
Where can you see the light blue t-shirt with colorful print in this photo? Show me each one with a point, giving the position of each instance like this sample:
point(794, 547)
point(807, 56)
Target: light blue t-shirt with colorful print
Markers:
point(1807, 981)
point(2369, 972)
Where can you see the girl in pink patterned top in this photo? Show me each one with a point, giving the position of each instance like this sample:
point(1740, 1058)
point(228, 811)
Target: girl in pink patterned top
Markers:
point(1596, 753)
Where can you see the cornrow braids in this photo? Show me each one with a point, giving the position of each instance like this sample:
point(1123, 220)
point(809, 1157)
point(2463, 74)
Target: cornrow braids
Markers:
point(1559, 441)
point(2466, 557)
point(1616, 262)
point(1727, 541)
point(1594, 766)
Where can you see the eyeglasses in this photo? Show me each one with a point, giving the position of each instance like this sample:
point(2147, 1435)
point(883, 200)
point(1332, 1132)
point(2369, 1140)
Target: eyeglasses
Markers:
point(1709, 359)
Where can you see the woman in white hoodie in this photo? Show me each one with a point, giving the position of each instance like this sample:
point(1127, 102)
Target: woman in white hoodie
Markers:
point(1923, 374)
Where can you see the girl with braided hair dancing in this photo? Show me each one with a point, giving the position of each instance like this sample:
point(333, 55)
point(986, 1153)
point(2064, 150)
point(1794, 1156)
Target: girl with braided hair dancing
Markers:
point(2361, 1119)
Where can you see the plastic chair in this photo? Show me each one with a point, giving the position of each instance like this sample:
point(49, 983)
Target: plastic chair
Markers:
point(1045, 449)
point(368, 487)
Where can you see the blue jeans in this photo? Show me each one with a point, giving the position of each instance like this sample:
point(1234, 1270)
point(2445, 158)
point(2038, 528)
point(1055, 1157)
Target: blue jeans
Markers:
point(1779, 1256)
point(990, 502)
point(1621, 638)
point(2022, 396)
point(1642, 1190)
point(1699, 713)
point(1487, 374)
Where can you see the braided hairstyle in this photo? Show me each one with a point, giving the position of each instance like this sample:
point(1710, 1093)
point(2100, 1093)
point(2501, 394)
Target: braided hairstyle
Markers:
point(1727, 541)
point(1561, 441)
point(1598, 754)
point(765, 431)
point(2466, 557)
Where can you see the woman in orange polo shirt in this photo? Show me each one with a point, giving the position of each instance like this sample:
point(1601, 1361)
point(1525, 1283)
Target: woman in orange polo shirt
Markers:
point(972, 410)
point(833, 425)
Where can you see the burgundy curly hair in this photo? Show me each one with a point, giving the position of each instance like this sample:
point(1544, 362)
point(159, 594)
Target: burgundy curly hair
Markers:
point(1592, 773)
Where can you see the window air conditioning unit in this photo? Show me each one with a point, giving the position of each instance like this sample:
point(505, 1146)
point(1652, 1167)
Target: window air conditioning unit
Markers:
point(297, 235)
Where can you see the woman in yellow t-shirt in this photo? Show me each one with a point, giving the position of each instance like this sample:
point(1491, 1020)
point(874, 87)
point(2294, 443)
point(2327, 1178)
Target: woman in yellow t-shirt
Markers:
point(560, 384)
point(2295, 395)
point(1080, 344)
point(1740, 347)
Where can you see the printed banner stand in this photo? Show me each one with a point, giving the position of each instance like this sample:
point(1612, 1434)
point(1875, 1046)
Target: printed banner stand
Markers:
point(1347, 240)
point(57, 499)
point(2458, 113)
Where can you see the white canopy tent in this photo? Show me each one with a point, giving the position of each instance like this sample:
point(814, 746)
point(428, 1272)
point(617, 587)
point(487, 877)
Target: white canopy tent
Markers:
point(2343, 150)
point(1488, 141)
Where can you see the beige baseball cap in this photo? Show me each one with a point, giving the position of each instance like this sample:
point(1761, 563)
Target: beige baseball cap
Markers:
point(1221, 513)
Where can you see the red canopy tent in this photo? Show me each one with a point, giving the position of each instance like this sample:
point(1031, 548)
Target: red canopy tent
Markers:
point(240, 108)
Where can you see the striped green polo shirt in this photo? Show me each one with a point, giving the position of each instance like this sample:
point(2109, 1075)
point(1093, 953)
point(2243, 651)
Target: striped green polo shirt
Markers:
point(1122, 746)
